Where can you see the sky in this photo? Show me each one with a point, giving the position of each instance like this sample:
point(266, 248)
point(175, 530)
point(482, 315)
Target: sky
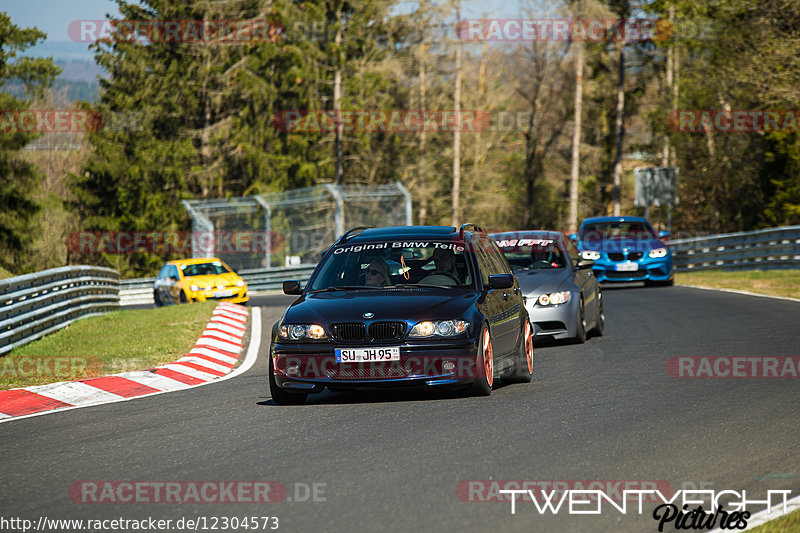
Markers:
point(55, 16)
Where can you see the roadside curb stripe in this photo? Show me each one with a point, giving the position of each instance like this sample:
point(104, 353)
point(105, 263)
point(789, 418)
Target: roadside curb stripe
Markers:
point(18, 402)
point(214, 356)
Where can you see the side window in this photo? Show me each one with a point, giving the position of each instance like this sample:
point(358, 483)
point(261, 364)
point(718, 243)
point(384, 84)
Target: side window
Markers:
point(499, 262)
point(162, 274)
point(484, 264)
point(173, 272)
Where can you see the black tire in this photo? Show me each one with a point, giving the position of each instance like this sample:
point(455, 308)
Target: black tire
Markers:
point(522, 372)
point(600, 324)
point(484, 366)
point(156, 299)
point(580, 330)
point(281, 396)
point(183, 298)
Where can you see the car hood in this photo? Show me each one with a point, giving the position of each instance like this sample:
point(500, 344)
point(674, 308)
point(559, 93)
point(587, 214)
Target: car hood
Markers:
point(227, 279)
point(386, 304)
point(537, 281)
point(621, 245)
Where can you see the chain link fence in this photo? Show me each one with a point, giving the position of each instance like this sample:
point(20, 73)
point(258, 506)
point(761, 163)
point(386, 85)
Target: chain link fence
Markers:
point(294, 227)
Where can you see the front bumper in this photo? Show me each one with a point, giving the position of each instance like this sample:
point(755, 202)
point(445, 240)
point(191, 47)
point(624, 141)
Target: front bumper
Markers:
point(238, 295)
point(647, 269)
point(554, 321)
point(311, 367)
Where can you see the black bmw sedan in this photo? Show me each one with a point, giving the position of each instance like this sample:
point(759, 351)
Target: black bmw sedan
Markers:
point(398, 306)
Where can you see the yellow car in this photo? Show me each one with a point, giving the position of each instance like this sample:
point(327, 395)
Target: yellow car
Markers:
point(198, 280)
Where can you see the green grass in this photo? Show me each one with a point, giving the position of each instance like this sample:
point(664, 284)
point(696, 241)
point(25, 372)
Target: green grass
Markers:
point(772, 282)
point(4, 274)
point(789, 523)
point(107, 344)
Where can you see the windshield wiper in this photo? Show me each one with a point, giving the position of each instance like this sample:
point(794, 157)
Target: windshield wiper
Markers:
point(345, 288)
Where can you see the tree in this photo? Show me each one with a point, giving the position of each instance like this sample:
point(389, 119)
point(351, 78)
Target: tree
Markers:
point(19, 180)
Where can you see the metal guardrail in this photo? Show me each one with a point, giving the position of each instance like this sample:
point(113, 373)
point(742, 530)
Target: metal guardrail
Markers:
point(139, 291)
point(772, 248)
point(34, 305)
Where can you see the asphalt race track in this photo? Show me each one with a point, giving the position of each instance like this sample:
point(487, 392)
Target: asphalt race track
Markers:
point(392, 461)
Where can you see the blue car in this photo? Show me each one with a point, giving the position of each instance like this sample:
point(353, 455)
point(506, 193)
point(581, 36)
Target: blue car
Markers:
point(625, 249)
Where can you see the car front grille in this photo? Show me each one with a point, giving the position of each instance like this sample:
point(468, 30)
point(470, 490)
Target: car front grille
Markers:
point(616, 256)
point(349, 332)
point(637, 274)
point(387, 331)
point(368, 371)
point(634, 256)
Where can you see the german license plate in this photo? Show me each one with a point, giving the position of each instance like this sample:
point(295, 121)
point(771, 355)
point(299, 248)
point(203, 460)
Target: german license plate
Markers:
point(222, 294)
point(367, 355)
point(627, 266)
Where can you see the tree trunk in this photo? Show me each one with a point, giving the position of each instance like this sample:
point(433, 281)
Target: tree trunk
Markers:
point(457, 134)
point(576, 142)
point(620, 124)
point(337, 102)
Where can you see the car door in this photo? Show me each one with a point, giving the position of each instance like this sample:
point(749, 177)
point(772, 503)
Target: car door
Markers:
point(509, 303)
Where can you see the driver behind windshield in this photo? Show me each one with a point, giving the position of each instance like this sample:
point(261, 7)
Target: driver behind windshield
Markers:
point(548, 257)
point(377, 274)
point(444, 260)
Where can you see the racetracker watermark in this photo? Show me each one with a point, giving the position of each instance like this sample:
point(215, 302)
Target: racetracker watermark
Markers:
point(564, 30)
point(177, 492)
point(54, 366)
point(174, 242)
point(68, 121)
point(738, 121)
point(324, 367)
point(733, 367)
point(381, 120)
point(490, 490)
point(176, 31)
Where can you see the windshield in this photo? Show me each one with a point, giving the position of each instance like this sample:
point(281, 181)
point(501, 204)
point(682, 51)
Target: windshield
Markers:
point(204, 269)
point(617, 230)
point(392, 263)
point(533, 253)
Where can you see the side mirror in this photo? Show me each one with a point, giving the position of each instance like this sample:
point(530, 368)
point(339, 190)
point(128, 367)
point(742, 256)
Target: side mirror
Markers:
point(573, 237)
point(501, 281)
point(663, 234)
point(585, 264)
point(292, 287)
point(173, 278)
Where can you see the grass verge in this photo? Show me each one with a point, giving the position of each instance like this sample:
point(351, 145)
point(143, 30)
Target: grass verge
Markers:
point(789, 523)
point(107, 344)
point(772, 282)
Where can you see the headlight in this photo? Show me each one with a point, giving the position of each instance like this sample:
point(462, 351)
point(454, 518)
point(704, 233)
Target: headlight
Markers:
point(194, 288)
point(658, 252)
point(554, 298)
point(590, 255)
point(298, 332)
point(440, 328)
point(240, 283)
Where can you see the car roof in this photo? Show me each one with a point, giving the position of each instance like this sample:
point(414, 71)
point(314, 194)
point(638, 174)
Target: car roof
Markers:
point(194, 261)
point(403, 232)
point(614, 219)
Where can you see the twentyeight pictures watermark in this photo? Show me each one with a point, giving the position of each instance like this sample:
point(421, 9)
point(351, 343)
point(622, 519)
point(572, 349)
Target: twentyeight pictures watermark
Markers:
point(686, 508)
